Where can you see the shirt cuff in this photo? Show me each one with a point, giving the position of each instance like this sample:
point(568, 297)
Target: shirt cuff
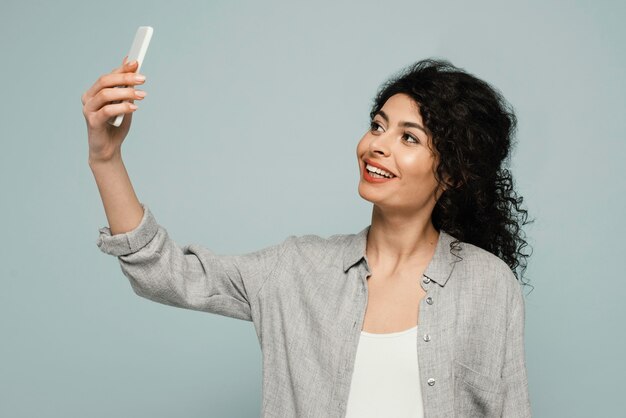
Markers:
point(131, 241)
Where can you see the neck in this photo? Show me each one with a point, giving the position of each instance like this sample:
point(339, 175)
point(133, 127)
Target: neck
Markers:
point(395, 240)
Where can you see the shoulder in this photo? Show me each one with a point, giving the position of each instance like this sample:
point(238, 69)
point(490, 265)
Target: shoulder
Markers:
point(318, 249)
point(481, 260)
point(314, 242)
point(485, 272)
point(483, 282)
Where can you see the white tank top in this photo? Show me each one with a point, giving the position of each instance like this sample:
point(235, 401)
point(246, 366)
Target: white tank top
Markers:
point(386, 382)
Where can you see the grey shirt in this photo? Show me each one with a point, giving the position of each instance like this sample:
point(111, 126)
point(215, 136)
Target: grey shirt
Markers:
point(307, 296)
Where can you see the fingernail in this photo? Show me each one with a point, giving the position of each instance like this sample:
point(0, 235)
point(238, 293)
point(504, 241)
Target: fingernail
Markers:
point(130, 64)
point(132, 106)
point(140, 93)
point(140, 77)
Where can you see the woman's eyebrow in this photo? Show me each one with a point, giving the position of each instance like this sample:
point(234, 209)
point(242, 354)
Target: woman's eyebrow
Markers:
point(403, 123)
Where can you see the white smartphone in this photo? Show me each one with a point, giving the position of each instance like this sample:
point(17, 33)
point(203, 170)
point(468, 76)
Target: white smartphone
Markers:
point(137, 52)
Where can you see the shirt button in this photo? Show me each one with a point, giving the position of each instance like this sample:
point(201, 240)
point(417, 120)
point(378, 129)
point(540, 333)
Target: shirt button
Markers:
point(426, 280)
point(429, 300)
point(427, 337)
point(431, 382)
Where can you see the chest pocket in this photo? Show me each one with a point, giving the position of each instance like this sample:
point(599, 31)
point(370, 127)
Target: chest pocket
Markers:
point(476, 395)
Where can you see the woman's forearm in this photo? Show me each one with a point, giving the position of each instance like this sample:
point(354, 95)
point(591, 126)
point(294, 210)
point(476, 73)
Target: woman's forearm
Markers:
point(122, 208)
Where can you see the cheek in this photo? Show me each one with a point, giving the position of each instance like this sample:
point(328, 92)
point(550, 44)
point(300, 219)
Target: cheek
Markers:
point(419, 170)
point(361, 147)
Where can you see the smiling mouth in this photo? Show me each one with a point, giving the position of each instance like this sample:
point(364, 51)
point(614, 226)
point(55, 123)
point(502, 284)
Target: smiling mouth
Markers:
point(376, 172)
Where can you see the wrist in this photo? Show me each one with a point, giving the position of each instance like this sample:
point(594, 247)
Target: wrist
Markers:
point(99, 161)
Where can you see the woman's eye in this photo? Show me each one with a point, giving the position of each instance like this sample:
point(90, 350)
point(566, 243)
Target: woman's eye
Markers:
point(411, 138)
point(374, 126)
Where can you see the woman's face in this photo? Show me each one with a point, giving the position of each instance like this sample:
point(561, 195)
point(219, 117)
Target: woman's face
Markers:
point(397, 141)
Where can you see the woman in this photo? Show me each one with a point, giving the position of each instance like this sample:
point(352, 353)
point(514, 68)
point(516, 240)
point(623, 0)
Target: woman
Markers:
point(419, 314)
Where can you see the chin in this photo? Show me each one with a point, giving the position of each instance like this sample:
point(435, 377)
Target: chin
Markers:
point(368, 195)
point(365, 197)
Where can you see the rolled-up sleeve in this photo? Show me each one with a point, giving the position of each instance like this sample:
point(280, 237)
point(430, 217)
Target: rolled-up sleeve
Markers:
point(514, 374)
point(189, 276)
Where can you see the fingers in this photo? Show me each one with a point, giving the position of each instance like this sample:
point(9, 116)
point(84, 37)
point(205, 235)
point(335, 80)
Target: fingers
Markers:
point(112, 94)
point(121, 76)
point(117, 79)
point(100, 117)
point(126, 66)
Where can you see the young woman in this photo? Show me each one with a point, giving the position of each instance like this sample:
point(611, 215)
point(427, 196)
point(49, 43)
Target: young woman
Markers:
point(420, 314)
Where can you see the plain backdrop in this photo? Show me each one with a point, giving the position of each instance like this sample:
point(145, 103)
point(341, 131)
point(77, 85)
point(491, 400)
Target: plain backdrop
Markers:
point(248, 135)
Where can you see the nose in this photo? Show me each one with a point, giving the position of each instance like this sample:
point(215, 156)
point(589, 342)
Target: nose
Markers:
point(380, 144)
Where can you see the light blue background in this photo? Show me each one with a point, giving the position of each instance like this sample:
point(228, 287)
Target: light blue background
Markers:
point(248, 135)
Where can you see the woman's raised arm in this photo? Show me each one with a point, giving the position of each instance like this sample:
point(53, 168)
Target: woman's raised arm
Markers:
point(101, 102)
point(158, 269)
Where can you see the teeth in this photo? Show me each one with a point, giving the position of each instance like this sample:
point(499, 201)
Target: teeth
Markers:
point(378, 171)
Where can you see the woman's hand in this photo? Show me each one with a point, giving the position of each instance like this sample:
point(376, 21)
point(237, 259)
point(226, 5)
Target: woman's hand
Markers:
point(105, 140)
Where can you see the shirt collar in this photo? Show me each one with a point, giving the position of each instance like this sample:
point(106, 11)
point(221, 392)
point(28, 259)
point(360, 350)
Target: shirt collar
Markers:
point(439, 269)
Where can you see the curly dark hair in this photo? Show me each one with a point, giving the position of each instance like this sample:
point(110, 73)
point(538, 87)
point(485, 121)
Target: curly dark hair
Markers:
point(472, 129)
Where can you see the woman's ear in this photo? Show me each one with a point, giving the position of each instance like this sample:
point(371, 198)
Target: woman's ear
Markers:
point(448, 182)
point(441, 189)
point(446, 185)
